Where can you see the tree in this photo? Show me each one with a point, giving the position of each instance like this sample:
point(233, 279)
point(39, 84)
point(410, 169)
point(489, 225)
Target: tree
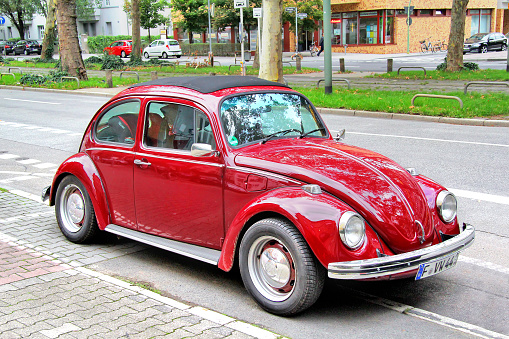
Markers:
point(456, 36)
point(271, 65)
point(135, 15)
point(19, 11)
point(149, 13)
point(48, 42)
point(70, 50)
point(190, 15)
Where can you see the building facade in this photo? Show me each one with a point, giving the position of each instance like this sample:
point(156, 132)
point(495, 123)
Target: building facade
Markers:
point(380, 26)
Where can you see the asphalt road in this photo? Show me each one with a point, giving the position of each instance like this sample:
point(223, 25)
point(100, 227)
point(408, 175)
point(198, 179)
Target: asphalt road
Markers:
point(42, 129)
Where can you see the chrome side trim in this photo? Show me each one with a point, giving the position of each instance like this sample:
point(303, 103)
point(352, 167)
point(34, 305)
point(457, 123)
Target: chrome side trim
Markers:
point(204, 254)
point(179, 159)
point(401, 263)
point(268, 174)
point(109, 149)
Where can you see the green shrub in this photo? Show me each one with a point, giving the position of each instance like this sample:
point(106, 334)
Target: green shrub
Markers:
point(202, 49)
point(112, 62)
point(37, 79)
point(45, 61)
point(93, 60)
point(467, 66)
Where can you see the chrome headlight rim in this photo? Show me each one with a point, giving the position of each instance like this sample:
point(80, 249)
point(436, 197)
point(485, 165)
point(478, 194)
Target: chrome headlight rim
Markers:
point(343, 224)
point(441, 198)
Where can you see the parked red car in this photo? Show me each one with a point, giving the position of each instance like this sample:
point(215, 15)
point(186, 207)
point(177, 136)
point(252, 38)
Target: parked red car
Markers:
point(241, 170)
point(121, 48)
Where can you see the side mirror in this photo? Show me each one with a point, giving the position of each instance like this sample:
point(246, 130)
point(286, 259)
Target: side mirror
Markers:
point(202, 150)
point(341, 135)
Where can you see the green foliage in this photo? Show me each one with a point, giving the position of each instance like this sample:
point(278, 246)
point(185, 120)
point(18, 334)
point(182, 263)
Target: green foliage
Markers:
point(93, 60)
point(194, 14)
point(44, 61)
point(314, 9)
point(112, 62)
point(203, 49)
point(1, 58)
point(37, 79)
point(467, 66)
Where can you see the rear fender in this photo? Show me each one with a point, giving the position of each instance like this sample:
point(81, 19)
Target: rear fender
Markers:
point(316, 217)
point(81, 166)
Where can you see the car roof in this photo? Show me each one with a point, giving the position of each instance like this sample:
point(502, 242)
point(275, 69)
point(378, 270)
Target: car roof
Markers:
point(207, 85)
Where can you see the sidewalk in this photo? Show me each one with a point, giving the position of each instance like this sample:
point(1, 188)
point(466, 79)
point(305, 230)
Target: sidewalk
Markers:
point(46, 290)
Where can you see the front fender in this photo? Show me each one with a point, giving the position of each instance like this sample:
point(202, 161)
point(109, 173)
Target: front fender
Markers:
point(82, 167)
point(314, 215)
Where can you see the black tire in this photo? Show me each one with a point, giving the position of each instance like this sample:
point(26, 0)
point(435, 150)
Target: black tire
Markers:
point(122, 54)
point(165, 56)
point(300, 277)
point(504, 48)
point(26, 52)
point(483, 49)
point(74, 211)
point(146, 55)
point(178, 56)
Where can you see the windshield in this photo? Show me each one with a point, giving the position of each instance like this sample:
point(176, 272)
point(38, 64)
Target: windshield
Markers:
point(255, 117)
point(477, 36)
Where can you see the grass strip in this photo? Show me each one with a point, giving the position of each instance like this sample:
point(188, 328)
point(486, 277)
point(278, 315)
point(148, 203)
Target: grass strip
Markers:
point(481, 75)
point(485, 105)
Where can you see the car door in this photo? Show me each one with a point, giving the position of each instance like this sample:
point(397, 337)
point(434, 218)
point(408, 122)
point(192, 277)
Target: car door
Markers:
point(178, 195)
point(112, 151)
point(152, 48)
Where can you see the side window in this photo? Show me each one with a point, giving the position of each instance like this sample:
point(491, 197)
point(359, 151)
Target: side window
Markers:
point(175, 126)
point(119, 123)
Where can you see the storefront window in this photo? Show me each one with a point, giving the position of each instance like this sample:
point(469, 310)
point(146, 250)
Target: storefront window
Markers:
point(368, 30)
point(481, 21)
point(365, 28)
point(349, 28)
point(336, 29)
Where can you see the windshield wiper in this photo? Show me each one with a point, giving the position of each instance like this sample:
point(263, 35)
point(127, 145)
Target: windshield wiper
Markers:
point(312, 131)
point(283, 132)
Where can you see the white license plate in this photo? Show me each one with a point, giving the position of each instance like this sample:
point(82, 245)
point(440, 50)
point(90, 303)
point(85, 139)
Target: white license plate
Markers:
point(434, 267)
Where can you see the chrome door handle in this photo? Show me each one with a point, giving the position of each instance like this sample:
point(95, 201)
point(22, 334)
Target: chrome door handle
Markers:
point(141, 163)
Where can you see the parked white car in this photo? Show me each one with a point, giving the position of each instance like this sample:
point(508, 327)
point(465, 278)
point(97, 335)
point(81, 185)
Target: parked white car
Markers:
point(163, 48)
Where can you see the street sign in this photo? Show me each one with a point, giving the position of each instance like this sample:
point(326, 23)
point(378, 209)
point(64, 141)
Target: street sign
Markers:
point(257, 12)
point(290, 9)
point(240, 3)
point(411, 9)
point(408, 21)
point(2, 20)
point(302, 15)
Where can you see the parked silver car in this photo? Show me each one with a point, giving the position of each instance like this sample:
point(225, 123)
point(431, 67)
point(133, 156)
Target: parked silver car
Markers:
point(163, 48)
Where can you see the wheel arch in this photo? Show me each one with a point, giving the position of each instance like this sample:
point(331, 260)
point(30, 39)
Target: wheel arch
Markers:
point(314, 216)
point(82, 167)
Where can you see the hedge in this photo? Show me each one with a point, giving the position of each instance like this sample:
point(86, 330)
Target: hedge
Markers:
point(202, 49)
point(97, 43)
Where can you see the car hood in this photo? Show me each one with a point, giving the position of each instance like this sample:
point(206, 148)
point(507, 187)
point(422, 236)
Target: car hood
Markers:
point(383, 192)
point(473, 41)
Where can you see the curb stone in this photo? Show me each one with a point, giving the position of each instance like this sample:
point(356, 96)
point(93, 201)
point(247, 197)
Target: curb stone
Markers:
point(321, 110)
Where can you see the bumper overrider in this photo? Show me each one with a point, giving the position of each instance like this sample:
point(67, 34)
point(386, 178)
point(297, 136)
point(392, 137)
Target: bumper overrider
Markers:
point(401, 263)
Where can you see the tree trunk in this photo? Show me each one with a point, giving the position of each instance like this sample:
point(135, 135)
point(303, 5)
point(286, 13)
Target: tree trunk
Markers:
point(48, 43)
point(135, 14)
point(457, 36)
point(18, 23)
point(70, 50)
point(271, 65)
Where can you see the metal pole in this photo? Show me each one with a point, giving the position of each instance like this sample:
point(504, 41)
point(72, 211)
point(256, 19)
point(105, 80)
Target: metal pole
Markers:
point(259, 40)
point(210, 33)
point(296, 32)
point(408, 29)
point(241, 33)
point(507, 67)
point(327, 36)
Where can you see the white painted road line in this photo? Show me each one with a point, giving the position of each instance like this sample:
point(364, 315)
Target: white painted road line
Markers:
point(497, 199)
point(427, 139)
point(34, 101)
point(8, 156)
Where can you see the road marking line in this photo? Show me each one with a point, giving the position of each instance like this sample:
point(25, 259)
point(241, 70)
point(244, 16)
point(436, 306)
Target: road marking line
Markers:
point(485, 264)
point(34, 101)
point(429, 316)
point(45, 165)
point(22, 178)
point(8, 156)
point(427, 139)
point(28, 161)
point(498, 199)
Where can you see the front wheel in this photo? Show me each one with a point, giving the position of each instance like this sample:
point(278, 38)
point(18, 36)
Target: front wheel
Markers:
point(484, 49)
point(122, 54)
point(146, 55)
point(504, 47)
point(278, 268)
point(74, 211)
point(27, 52)
point(165, 56)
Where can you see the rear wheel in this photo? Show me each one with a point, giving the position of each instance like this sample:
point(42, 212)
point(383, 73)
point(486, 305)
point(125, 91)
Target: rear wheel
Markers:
point(122, 54)
point(27, 52)
point(278, 268)
point(165, 56)
point(74, 211)
point(484, 49)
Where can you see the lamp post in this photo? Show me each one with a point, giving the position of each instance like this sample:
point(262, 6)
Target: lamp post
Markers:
point(327, 37)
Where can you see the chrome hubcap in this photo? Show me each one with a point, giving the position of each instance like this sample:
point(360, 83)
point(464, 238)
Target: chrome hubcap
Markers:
point(271, 268)
point(72, 208)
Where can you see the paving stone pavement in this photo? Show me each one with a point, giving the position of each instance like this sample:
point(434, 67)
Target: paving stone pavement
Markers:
point(47, 292)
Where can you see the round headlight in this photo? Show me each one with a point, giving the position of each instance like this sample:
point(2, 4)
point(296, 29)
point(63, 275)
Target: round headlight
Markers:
point(447, 206)
point(352, 230)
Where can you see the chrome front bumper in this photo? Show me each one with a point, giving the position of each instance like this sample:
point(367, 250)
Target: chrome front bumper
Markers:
point(401, 263)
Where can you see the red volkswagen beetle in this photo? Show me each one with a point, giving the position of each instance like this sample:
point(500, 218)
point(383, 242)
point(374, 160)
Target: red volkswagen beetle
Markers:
point(241, 170)
point(122, 48)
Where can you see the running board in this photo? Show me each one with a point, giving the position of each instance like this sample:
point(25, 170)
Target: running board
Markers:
point(204, 254)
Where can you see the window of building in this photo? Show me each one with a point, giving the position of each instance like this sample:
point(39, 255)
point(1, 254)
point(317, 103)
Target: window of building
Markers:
point(440, 12)
point(368, 28)
point(425, 12)
point(481, 21)
point(40, 32)
point(364, 28)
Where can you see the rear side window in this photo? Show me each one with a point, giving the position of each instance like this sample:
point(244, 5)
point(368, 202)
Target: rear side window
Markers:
point(118, 124)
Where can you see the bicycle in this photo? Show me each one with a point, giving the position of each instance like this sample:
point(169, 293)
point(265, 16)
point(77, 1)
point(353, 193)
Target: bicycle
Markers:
point(440, 45)
point(426, 47)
